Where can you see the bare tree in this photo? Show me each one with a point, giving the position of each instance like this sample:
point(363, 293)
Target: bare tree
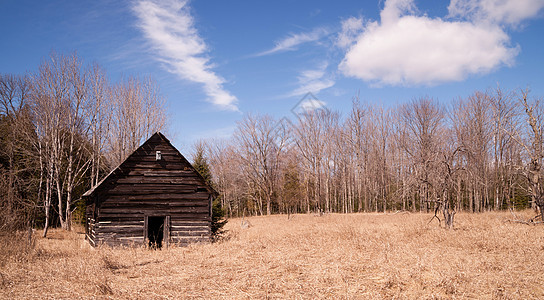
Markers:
point(358, 143)
point(380, 135)
point(312, 135)
point(443, 183)
point(60, 122)
point(225, 164)
point(422, 123)
point(100, 108)
point(471, 119)
point(503, 113)
point(410, 157)
point(261, 141)
point(61, 92)
point(51, 95)
point(531, 137)
point(138, 111)
point(18, 156)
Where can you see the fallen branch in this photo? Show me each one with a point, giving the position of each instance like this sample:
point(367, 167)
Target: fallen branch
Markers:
point(531, 221)
point(534, 219)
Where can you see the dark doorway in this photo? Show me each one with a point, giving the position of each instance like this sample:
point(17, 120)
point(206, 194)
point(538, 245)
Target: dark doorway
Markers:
point(155, 231)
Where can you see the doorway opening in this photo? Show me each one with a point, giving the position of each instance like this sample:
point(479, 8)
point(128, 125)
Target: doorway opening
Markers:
point(155, 232)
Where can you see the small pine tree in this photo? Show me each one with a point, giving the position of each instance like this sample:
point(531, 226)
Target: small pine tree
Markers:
point(292, 191)
point(200, 164)
point(218, 220)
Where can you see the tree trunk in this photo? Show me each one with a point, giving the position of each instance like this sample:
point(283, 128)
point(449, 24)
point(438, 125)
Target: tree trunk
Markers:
point(46, 225)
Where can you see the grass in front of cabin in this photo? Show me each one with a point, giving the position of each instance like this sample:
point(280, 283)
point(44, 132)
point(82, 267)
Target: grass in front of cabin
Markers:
point(357, 256)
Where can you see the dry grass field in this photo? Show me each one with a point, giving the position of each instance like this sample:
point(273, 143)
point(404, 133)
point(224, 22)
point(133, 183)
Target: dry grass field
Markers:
point(356, 256)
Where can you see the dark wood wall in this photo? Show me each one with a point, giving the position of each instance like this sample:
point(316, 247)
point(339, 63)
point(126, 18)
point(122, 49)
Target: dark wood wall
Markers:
point(143, 186)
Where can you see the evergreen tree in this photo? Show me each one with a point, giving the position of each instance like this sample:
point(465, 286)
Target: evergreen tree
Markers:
point(292, 188)
point(200, 164)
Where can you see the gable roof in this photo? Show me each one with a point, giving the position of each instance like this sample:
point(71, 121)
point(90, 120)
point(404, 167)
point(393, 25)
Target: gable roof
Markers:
point(119, 168)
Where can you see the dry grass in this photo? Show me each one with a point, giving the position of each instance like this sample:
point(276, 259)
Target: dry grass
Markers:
point(360, 256)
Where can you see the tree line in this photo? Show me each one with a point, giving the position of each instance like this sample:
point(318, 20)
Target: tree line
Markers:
point(479, 153)
point(63, 128)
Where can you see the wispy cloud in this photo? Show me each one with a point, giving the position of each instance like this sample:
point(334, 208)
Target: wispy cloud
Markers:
point(169, 27)
point(351, 28)
point(291, 42)
point(313, 80)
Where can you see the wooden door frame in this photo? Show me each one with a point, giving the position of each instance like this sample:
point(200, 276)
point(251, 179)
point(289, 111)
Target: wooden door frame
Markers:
point(165, 230)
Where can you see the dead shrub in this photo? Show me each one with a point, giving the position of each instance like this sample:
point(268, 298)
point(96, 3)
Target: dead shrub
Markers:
point(104, 287)
point(17, 246)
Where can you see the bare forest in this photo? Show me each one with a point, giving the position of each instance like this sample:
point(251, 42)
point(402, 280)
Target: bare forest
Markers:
point(473, 154)
point(62, 129)
point(66, 125)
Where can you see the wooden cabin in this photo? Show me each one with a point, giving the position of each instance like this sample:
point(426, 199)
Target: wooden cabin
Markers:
point(154, 198)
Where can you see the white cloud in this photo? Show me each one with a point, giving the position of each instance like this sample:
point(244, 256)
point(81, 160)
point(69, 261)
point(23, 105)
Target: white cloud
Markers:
point(169, 27)
point(406, 49)
point(509, 12)
point(291, 42)
point(313, 81)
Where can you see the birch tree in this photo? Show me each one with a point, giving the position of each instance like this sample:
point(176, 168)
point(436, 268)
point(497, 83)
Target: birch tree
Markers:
point(261, 141)
point(138, 111)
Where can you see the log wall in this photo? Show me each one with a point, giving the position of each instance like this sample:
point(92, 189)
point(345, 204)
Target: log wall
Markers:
point(143, 186)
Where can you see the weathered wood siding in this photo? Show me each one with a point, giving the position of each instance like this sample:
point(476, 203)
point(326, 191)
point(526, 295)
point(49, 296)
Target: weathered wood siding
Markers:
point(143, 186)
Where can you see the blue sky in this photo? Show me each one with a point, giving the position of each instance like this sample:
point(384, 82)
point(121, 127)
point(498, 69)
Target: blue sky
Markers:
point(218, 60)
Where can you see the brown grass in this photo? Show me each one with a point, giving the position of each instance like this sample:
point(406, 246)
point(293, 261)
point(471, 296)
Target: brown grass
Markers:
point(361, 256)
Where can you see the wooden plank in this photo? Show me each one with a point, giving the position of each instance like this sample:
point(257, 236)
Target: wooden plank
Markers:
point(187, 183)
point(115, 228)
point(179, 215)
point(184, 222)
point(151, 152)
point(119, 215)
point(166, 173)
point(146, 228)
point(160, 180)
point(125, 222)
point(190, 240)
point(171, 201)
point(134, 191)
point(118, 234)
point(186, 217)
point(165, 157)
point(167, 231)
point(138, 218)
point(159, 204)
point(180, 192)
point(190, 228)
point(150, 198)
point(190, 233)
point(120, 243)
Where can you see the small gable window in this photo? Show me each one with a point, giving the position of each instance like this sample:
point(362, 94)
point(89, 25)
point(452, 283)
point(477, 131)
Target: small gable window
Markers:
point(158, 155)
